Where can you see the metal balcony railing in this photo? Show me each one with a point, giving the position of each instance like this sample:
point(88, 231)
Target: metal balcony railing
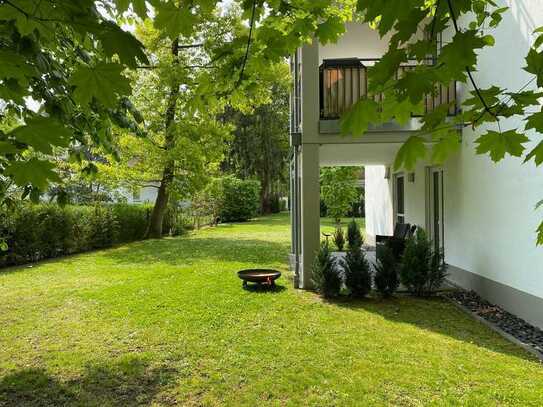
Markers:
point(345, 81)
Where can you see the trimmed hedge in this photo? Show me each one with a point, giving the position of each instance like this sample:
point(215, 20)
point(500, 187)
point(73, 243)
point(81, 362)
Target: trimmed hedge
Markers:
point(240, 200)
point(39, 231)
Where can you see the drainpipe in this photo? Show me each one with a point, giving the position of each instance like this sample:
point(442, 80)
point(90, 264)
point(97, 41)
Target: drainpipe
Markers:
point(296, 138)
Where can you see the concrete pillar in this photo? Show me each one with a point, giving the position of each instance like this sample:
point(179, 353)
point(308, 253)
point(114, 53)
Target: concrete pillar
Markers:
point(310, 210)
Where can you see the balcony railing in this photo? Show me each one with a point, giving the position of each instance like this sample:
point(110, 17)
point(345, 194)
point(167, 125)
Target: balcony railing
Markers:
point(345, 81)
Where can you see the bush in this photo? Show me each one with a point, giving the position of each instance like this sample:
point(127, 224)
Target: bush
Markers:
point(326, 279)
point(354, 236)
point(386, 272)
point(422, 270)
point(38, 231)
point(132, 221)
point(241, 199)
point(339, 238)
point(357, 272)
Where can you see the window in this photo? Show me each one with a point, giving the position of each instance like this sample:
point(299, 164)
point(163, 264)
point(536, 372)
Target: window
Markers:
point(399, 198)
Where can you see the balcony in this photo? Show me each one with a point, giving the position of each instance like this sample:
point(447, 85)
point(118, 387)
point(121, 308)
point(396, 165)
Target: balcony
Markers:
point(345, 81)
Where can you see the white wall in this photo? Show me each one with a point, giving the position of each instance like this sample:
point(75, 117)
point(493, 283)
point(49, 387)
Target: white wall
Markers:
point(359, 41)
point(490, 220)
point(378, 202)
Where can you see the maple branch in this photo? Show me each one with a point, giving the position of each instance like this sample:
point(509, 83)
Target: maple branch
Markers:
point(468, 69)
point(248, 45)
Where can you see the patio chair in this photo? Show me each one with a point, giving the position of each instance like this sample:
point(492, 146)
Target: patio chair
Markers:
point(396, 242)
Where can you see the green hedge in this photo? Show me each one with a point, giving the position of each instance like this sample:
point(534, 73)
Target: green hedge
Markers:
point(240, 201)
point(39, 231)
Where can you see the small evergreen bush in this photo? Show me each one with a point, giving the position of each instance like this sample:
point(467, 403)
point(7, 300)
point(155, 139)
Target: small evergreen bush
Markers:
point(357, 272)
point(422, 269)
point(354, 236)
point(326, 279)
point(241, 199)
point(386, 272)
point(339, 238)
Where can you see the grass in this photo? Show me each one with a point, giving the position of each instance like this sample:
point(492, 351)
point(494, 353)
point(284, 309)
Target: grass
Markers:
point(167, 322)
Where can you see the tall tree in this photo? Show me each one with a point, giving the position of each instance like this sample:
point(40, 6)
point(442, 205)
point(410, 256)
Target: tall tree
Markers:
point(259, 148)
point(339, 190)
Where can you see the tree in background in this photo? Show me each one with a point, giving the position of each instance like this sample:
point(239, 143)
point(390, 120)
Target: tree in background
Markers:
point(259, 147)
point(339, 189)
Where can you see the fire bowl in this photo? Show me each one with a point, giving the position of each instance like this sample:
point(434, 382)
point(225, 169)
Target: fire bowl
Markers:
point(259, 276)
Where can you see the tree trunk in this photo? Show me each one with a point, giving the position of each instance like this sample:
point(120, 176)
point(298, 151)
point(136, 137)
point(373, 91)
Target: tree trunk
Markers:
point(154, 229)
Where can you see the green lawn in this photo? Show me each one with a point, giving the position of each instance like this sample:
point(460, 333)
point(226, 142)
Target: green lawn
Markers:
point(167, 322)
point(328, 225)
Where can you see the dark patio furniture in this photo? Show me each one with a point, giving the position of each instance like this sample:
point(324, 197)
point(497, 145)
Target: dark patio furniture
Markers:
point(396, 242)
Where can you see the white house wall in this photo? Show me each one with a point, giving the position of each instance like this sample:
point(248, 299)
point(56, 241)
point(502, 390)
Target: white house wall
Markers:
point(378, 202)
point(359, 41)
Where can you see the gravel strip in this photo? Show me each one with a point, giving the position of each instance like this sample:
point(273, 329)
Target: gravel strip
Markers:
point(516, 327)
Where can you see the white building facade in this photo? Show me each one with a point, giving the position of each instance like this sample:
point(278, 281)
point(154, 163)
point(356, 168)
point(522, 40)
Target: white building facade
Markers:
point(481, 213)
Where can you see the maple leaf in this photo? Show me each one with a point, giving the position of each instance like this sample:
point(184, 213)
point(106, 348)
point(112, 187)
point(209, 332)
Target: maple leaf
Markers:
point(460, 52)
point(32, 172)
point(448, 142)
point(357, 120)
point(42, 133)
point(410, 152)
point(173, 20)
point(330, 30)
point(498, 144)
point(536, 154)
point(103, 82)
point(116, 41)
point(534, 65)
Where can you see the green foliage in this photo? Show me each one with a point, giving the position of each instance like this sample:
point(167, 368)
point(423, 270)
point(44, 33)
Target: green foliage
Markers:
point(456, 61)
point(386, 278)
point(72, 60)
point(259, 147)
point(498, 144)
point(131, 220)
point(410, 152)
point(338, 189)
point(325, 277)
point(357, 272)
point(38, 231)
point(357, 120)
point(339, 238)
point(422, 268)
point(354, 236)
point(240, 200)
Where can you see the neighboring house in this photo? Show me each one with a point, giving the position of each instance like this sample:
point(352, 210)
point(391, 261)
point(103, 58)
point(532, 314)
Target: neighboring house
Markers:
point(144, 194)
point(482, 214)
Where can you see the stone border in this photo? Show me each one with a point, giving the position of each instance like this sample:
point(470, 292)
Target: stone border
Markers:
point(496, 328)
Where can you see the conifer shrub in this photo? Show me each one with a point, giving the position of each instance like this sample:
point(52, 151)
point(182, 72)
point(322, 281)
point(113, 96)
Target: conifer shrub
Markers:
point(326, 278)
point(422, 268)
point(357, 272)
point(339, 238)
point(386, 278)
point(354, 236)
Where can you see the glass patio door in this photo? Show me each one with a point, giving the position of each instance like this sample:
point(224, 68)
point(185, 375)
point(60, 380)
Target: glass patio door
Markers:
point(435, 207)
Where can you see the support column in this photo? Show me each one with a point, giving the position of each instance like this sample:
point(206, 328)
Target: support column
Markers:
point(310, 210)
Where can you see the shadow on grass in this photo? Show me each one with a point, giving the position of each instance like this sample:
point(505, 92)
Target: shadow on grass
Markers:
point(437, 315)
point(264, 288)
point(126, 383)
